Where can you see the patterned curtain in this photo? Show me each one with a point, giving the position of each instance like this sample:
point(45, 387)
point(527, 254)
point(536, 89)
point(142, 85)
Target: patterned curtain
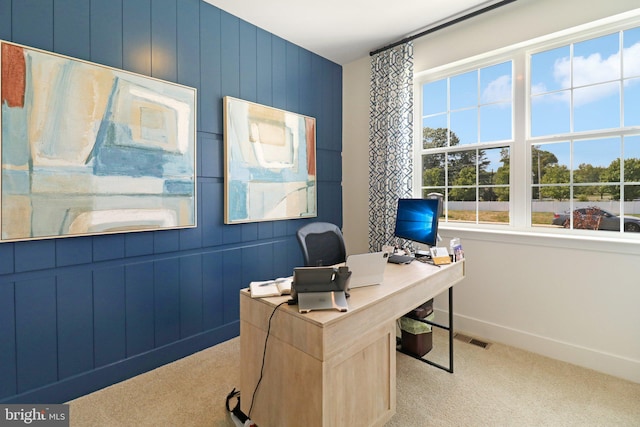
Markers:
point(390, 140)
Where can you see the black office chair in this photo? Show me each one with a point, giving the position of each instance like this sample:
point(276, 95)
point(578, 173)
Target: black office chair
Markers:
point(322, 244)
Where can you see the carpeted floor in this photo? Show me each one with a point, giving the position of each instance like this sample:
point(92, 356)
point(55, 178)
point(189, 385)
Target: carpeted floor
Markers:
point(494, 386)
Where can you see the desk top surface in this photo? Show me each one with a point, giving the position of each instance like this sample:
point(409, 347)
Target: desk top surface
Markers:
point(398, 279)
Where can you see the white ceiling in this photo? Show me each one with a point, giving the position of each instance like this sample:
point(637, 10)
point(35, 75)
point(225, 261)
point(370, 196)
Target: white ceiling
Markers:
point(346, 30)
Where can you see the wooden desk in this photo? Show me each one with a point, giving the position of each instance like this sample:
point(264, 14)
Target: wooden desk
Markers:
point(331, 369)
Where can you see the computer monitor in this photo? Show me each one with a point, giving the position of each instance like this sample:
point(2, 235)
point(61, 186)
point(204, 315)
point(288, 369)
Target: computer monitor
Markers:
point(417, 220)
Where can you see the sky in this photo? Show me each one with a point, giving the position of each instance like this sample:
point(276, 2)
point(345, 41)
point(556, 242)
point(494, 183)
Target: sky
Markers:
point(598, 101)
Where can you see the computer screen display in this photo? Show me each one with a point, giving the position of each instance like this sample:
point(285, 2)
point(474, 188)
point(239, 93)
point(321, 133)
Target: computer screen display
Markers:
point(417, 220)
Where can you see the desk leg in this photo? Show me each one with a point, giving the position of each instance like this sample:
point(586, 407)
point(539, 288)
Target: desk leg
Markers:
point(447, 328)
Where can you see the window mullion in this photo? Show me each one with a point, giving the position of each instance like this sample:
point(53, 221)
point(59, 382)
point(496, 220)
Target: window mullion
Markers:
point(520, 179)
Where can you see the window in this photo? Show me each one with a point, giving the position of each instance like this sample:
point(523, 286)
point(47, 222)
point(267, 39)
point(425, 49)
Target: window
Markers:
point(571, 118)
point(467, 129)
point(584, 142)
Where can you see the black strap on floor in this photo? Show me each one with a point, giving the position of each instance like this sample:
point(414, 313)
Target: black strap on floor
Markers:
point(236, 409)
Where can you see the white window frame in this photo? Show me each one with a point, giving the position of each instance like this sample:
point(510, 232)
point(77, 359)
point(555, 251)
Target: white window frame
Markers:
point(442, 74)
point(520, 159)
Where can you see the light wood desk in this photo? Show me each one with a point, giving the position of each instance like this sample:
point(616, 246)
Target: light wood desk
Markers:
point(331, 369)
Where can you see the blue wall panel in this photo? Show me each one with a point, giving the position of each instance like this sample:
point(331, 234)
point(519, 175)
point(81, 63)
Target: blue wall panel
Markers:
point(265, 230)
point(212, 297)
point(282, 264)
point(191, 238)
point(139, 308)
point(305, 83)
point(108, 247)
point(8, 385)
point(248, 58)
point(5, 19)
point(281, 229)
point(231, 283)
point(137, 244)
point(264, 71)
point(109, 316)
point(106, 32)
point(292, 53)
point(190, 295)
point(166, 241)
point(136, 36)
point(167, 301)
point(278, 72)
point(164, 37)
point(71, 28)
point(6, 258)
point(230, 65)
point(249, 232)
point(210, 159)
point(188, 42)
point(36, 338)
point(210, 90)
point(316, 89)
point(212, 213)
point(250, 265)
point(35, 255)
point(77, 314)
point(336, 112)
point(73, 251)
point(32, 23)
point(74, 301)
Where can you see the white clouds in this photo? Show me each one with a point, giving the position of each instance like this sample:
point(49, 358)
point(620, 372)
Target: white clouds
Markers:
point(590, 70)
point(538, 88)
point(589, 94)
point(497, 90)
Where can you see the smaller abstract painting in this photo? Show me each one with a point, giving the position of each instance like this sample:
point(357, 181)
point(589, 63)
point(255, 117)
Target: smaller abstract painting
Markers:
point(270, 163)
point(88, 149)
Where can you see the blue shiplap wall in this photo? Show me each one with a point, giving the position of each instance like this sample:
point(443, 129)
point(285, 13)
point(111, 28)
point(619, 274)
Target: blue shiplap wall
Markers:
point(78, 314)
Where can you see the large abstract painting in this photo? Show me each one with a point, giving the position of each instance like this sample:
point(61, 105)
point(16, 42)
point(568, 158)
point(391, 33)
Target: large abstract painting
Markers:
point(88, 149)
point(270, 170)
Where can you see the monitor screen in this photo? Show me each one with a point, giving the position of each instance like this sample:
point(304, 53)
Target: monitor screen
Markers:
point(417, 220)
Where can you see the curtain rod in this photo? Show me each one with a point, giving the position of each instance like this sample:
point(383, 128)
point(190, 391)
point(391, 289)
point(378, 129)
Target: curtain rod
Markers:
point(442, 26)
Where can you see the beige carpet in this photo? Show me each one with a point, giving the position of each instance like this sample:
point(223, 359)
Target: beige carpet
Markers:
point(496, 386)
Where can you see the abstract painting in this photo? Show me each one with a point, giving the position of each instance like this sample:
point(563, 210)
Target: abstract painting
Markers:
point(270, 163)
point(88, 149)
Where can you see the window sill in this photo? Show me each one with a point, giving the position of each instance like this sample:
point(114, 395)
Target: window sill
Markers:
point(546, 238)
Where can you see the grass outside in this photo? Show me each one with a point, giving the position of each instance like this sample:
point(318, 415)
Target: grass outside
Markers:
point(485, 216)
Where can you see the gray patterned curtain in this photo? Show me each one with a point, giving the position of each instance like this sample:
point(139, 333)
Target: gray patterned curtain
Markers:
point(390, 140)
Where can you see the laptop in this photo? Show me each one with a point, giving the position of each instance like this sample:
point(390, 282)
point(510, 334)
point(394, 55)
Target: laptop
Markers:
point(366, 269)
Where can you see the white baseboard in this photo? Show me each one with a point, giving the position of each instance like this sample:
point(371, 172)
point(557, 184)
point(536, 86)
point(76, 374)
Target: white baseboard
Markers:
point(597, 360)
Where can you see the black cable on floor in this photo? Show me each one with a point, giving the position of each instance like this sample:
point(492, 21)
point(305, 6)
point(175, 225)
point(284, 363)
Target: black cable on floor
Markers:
point(264, 355)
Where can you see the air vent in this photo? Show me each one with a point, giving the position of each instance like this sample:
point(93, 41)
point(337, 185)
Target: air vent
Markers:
point(467, 339)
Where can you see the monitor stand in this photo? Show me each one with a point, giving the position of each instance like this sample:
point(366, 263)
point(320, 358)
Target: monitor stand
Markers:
point(332, 300)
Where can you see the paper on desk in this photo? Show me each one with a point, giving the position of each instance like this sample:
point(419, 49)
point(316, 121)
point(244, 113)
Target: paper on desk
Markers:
point(271, 288)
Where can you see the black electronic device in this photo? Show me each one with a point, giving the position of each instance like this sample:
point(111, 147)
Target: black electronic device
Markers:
point(417, 220)
point(319, 279)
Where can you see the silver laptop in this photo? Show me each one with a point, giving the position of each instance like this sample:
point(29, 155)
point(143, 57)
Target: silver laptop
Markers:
point(333, 300)
point(366, 269)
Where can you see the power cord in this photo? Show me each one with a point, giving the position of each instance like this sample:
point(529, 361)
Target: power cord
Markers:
point(235, 394)
point(264, 355)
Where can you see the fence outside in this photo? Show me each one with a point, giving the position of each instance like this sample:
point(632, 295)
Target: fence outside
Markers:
point(631, 207)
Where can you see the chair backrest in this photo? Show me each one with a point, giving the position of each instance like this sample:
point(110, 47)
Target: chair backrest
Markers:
point(322, 244)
